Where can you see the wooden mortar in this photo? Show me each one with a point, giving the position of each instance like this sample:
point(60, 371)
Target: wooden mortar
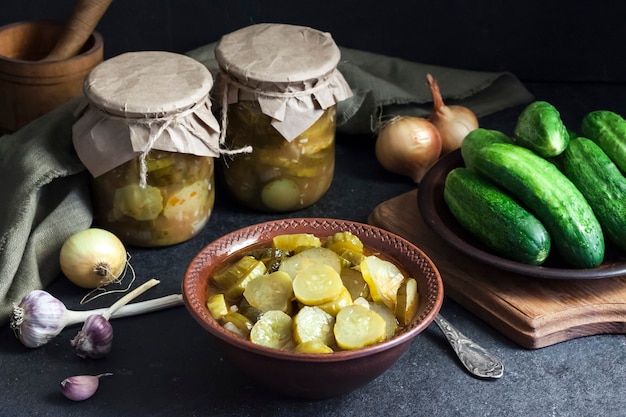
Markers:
point(31, 86)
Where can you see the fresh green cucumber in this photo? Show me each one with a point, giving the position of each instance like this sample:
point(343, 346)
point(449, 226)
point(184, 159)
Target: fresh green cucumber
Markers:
point(478, 138)
point(602, 184)
point(547, 193)
point(495, 219)
point(540, 128)
point(608, 130)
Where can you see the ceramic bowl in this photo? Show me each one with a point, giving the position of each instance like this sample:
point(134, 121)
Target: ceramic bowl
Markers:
point(436, 214)
point(308, 375)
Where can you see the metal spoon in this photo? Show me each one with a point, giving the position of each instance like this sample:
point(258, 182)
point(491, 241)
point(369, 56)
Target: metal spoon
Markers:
point(475, 358)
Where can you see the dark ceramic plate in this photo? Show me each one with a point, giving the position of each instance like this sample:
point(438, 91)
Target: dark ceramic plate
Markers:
point(439, 218)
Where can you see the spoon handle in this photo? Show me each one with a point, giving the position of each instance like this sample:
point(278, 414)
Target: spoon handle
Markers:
point(475, 358)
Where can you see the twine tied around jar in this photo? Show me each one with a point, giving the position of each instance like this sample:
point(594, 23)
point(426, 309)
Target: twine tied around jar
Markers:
point(104, 141)
point(163, 124)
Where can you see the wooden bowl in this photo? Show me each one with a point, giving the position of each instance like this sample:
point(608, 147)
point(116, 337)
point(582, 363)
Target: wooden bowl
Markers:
point(309, 375)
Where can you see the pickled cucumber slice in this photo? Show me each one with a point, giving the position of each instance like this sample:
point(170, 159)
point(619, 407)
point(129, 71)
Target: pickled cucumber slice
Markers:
point(354, 283)
point(383, 279)
point(357, 326)
point(241, 323)
point(391, 322)
point(350, 258)
point(317, 284)
point(188, 201)
point(361, 302)
point(341, 241)
point(291, 242)
point(273, 330)
point(271, 257)
point(138, 203)
point(308, 257)
point(163, 160)
point(235, 291)
point(313, 347)
point(281, 194)
point(217, 306)
point(408, 299)
point(312, 324)
point(252, 313)
point(332, 307)
point(270, 292)
point(234, 273)
point(321, 134)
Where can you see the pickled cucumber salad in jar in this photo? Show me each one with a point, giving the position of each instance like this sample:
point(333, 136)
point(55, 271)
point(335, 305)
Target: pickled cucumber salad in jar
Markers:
point(278, 87)
point(149, 138)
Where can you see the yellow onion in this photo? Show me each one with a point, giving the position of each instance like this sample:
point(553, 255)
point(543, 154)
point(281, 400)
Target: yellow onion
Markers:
point(453, 122)
point(408, 145)
point(93, 258)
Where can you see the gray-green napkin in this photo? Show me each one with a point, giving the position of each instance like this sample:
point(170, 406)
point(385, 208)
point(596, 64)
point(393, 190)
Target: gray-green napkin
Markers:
point(45, 187)
point(386, 85)
point(45, 200)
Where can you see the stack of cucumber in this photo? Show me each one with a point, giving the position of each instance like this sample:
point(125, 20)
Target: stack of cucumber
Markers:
point(545, 187)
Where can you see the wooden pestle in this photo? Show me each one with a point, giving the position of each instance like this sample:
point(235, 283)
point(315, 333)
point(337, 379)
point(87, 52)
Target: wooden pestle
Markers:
point(84, 19)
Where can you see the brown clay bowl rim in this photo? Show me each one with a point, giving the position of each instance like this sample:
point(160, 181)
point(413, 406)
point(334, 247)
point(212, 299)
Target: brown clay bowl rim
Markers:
point(439, 218)
point(194, 282)
point(97, 44)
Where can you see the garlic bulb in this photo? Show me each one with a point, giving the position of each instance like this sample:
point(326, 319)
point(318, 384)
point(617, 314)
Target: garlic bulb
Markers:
point(95, 338)
point(81, 387)
point(40, 317)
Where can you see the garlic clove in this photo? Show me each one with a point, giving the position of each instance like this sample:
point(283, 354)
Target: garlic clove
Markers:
point(81, 387)
point(95, 339)
point(38, 318)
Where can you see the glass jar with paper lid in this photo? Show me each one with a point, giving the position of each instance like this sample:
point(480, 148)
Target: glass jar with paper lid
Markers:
point(149, 138)
point(278, 87)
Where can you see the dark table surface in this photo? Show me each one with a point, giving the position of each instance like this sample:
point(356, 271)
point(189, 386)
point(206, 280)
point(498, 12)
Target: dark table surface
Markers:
point(164, 364)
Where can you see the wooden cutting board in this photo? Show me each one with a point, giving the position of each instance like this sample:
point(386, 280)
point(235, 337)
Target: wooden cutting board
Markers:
point(533, 312)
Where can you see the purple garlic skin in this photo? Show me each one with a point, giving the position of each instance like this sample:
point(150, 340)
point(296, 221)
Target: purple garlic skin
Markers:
point(95, 339)
point(38, 318)
point(80, 387)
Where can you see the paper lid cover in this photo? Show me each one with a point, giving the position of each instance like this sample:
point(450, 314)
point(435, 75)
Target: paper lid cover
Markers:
point(277, 53)
point(140, 101)
point(147, 84)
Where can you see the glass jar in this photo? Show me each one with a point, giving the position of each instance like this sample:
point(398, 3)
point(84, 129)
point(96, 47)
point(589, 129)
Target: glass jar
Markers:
point(174, 205)
point(149, 139)
point(278, 175)
point(280, 86)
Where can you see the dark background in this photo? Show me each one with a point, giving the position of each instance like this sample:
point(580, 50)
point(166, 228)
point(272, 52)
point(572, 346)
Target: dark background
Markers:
point(538, 40)
point(569, 53)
